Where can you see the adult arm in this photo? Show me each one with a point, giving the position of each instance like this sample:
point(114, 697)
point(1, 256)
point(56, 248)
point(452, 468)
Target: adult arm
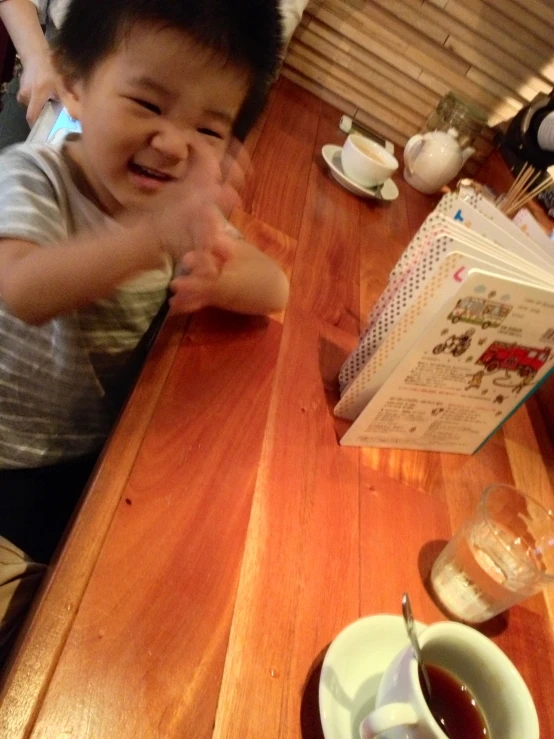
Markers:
point(38, 81)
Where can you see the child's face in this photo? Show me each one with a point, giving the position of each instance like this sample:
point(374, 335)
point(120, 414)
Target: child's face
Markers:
point(141, 108)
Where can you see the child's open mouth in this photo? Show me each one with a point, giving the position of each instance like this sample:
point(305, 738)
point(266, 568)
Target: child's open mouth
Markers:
point(148, 175)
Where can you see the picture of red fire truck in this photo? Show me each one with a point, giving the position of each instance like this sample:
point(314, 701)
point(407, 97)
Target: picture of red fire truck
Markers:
point(479, 311)
point(525, 360)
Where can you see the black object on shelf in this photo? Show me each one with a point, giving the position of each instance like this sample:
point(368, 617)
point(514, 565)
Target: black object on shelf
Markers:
point(519, 145)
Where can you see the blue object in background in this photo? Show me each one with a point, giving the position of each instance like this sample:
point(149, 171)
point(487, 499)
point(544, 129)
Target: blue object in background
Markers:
point(64, 121)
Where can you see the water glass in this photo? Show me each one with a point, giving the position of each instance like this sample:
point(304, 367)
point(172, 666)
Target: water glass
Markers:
point(499, 557)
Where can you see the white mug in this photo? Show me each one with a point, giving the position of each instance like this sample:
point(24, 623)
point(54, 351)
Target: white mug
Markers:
point(366, 162)
point(494, 682)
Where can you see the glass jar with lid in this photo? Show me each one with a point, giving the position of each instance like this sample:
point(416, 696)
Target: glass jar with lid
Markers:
point(455, 111)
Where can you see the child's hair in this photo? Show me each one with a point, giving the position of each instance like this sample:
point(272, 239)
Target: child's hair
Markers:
point(243, 32)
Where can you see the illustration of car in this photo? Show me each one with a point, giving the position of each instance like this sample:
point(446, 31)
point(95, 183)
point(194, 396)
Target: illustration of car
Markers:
point(525, 360)
point(480, 311)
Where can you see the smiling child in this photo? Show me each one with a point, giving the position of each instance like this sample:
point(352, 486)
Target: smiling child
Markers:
point(95, 230)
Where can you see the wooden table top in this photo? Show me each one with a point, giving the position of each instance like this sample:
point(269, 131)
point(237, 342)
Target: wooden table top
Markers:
point(227, 538)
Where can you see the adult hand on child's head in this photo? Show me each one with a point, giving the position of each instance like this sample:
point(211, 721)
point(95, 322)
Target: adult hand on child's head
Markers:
point(37, 86)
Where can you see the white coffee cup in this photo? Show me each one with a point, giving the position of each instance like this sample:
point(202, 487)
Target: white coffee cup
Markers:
point(366, 162)
point(476, 662)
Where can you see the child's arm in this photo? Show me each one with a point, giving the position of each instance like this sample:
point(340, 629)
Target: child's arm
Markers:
point(248, 281)
point(58, 274)
point(251, 282)
point(38, 78)
point(38, 283)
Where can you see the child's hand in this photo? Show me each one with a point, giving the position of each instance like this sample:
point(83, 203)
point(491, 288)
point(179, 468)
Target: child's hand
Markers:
point(189, 216)
point(234, 168)
point(195, 286)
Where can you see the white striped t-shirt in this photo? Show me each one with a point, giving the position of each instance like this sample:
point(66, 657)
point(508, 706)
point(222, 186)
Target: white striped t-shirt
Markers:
point(55, 402)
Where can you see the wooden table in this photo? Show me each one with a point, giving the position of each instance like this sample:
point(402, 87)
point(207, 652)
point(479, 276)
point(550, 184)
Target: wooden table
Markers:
point(227, 537)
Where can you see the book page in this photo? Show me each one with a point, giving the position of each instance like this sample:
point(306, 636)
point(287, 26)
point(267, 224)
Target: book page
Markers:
point(417, 298)
point(526, 222)
point(491, 223)
point(460, 220)
point(486, 350)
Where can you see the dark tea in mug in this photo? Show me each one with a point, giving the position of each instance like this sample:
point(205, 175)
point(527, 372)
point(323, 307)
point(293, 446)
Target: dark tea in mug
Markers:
point(453, 707)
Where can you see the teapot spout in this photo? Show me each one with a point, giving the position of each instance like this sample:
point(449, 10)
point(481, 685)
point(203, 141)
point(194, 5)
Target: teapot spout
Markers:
point(466, 153)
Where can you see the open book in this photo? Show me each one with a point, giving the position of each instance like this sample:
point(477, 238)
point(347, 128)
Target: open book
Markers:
point(463, 333)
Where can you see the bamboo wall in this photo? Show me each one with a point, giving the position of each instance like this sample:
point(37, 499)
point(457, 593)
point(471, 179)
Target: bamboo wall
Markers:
point(390, 61)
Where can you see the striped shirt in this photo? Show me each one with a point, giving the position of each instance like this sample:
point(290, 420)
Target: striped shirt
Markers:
point(55, 379)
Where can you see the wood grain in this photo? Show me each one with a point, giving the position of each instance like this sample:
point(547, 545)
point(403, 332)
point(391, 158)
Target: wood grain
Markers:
point(281, 161)
point(320, 44)
point(185, 516)
point(326, 280)
point(336, 100)
point(273, 689)
point(390, 567)
point(482, 62)
point(378, 69)
point(303, 526)
point(337, 81)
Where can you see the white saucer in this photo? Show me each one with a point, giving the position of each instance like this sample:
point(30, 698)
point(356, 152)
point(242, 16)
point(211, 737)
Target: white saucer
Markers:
point(387, 191)
point(352, 670)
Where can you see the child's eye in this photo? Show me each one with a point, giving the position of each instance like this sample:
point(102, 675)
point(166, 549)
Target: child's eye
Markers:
point(149, 106)
point(209, 132)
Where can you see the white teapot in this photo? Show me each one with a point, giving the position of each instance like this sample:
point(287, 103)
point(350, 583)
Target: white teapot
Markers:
point(432, 159)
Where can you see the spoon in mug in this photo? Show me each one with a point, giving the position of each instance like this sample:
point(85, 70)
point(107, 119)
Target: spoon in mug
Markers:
point(410, 628)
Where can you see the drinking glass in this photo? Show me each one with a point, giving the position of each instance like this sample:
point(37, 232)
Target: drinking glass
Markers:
point(499, 557)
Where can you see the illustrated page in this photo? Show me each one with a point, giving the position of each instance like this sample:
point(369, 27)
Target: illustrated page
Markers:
point(485, 351)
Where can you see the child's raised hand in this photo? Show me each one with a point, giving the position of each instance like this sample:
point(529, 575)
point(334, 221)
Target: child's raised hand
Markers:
point(234, 168)
point(195, 284)
point(189, 215)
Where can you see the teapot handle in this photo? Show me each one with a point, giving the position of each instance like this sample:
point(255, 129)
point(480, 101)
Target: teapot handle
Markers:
point(412, 150)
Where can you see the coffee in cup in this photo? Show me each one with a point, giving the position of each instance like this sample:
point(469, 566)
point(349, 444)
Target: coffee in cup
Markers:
point(460, 661)
point(453, 706)
point(366, 162)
